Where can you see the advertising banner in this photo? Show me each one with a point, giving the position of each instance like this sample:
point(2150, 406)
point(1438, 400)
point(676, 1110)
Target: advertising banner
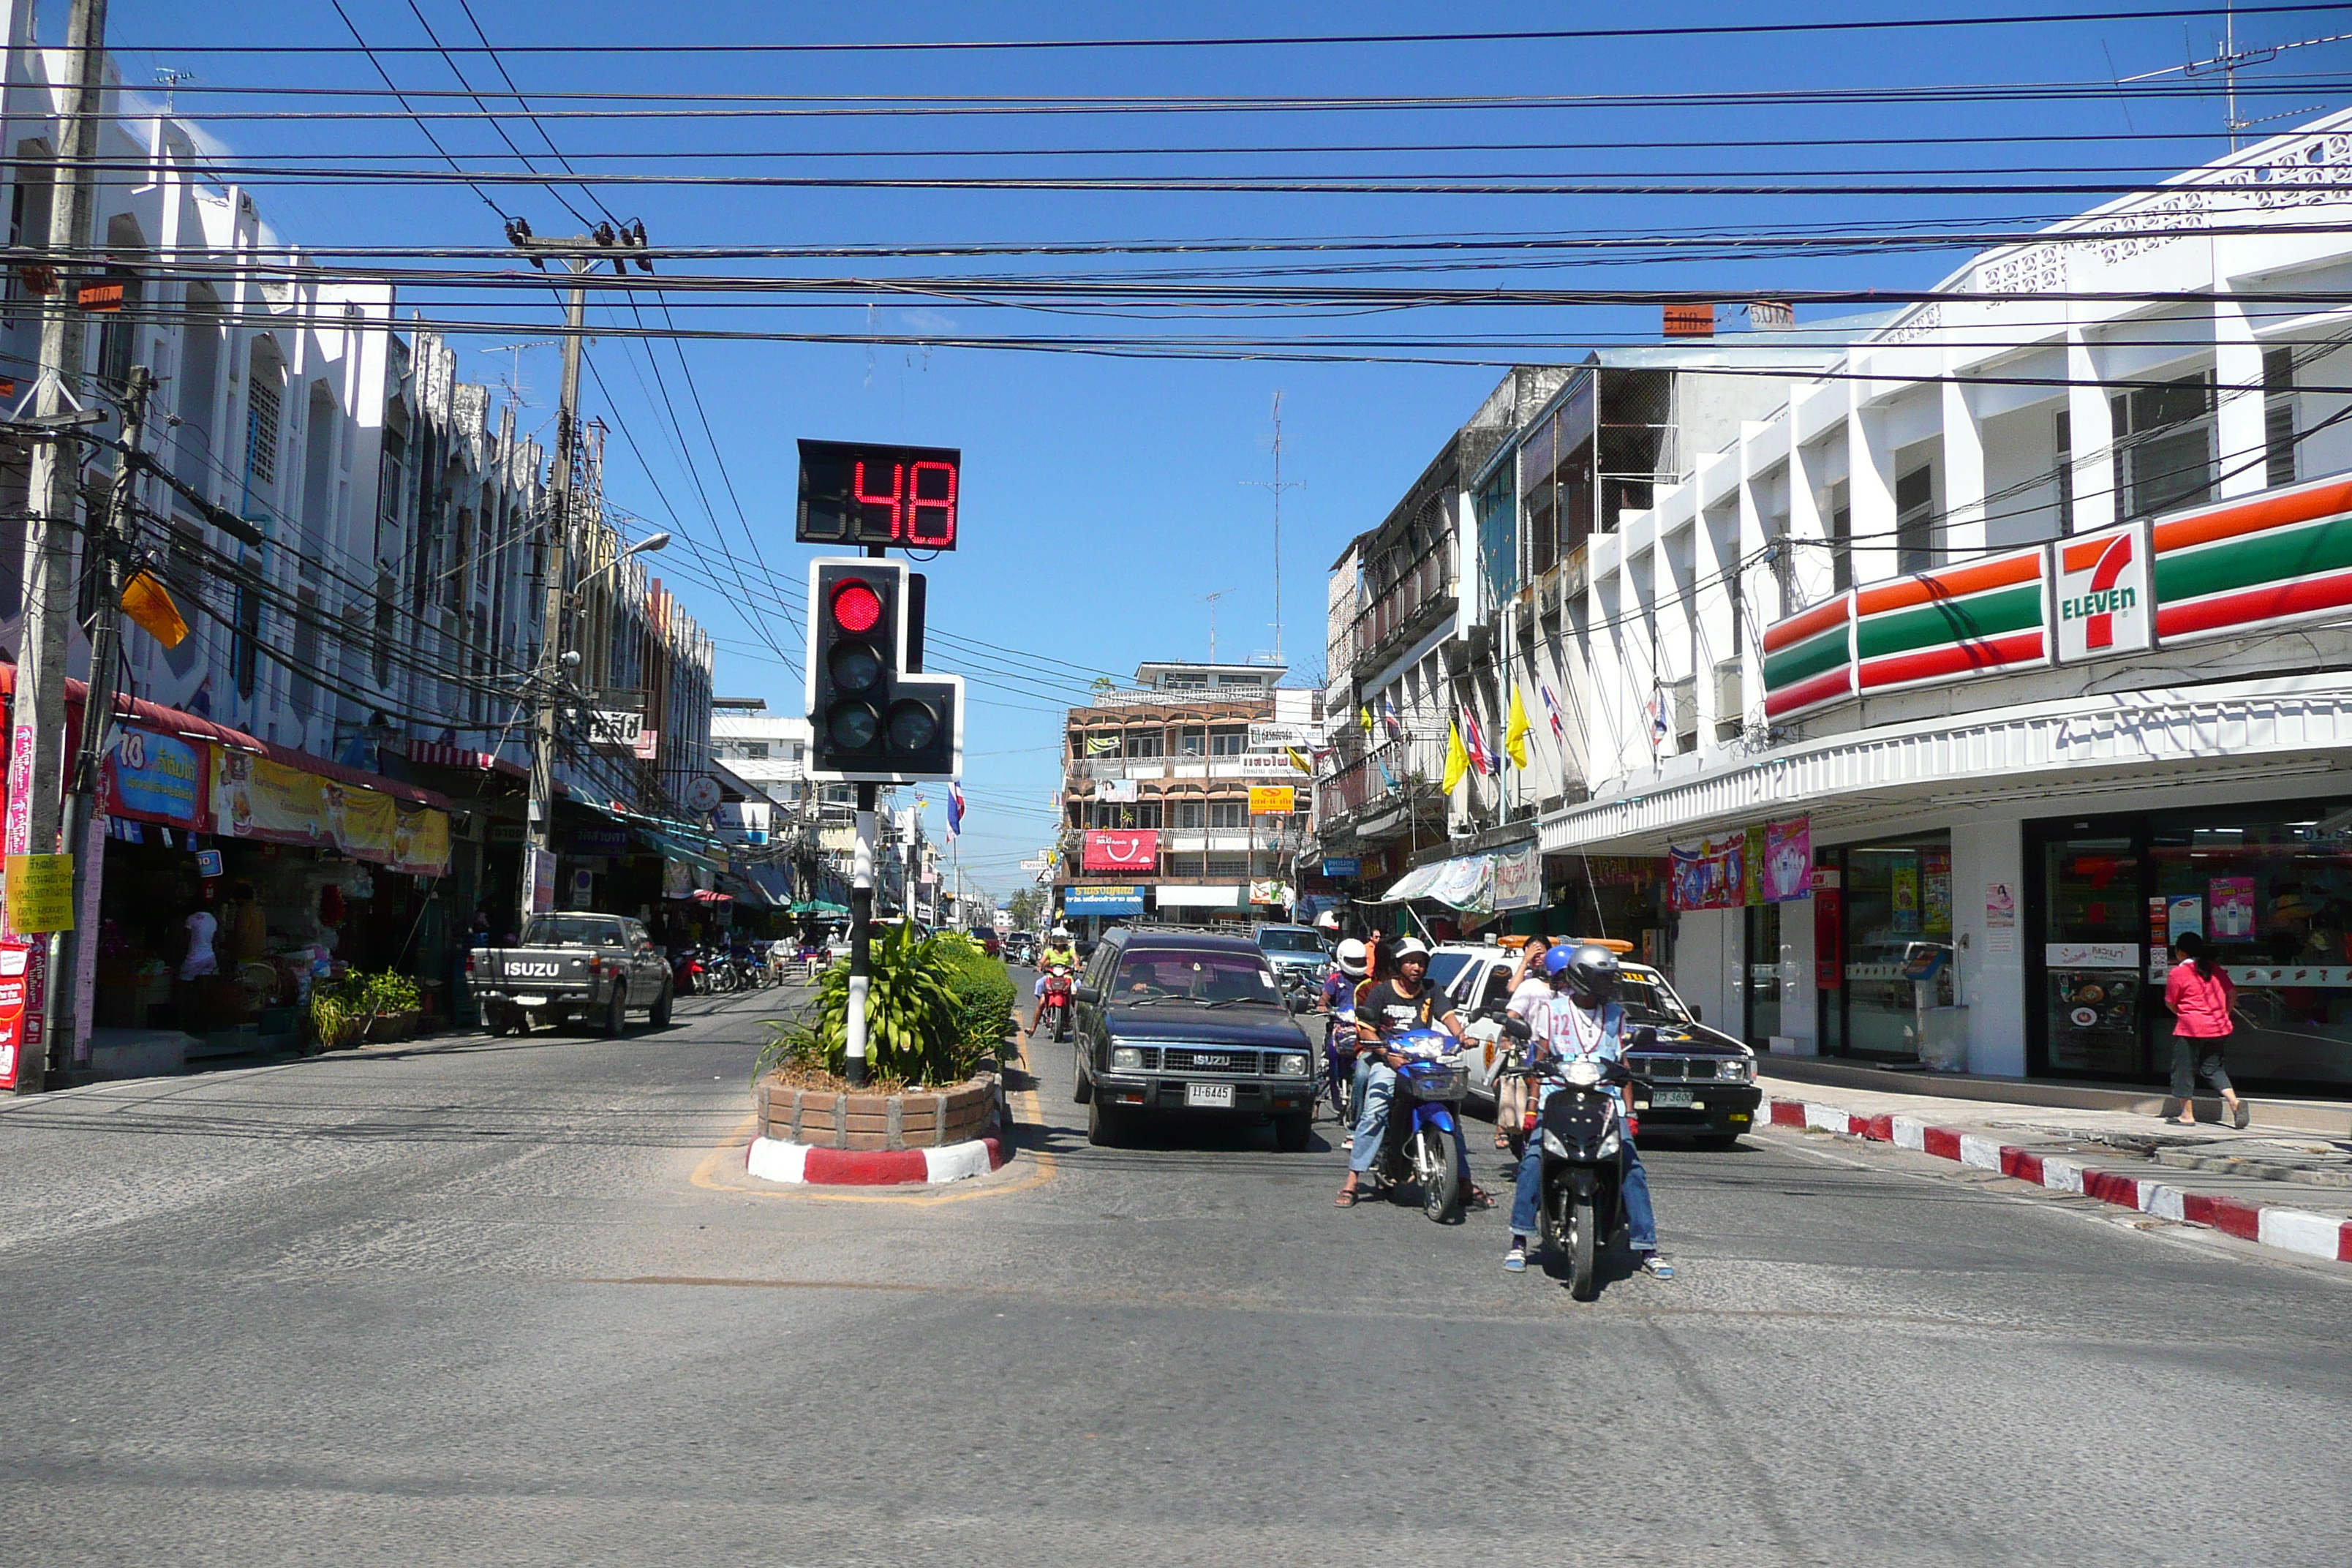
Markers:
point(1122, 849)
point(1116, 792)
point(1787, 872)
point(2230, 912)
point(155, 778)
point(2101, 593)
point(1711, 876)
point(1102, 899)
point(16, 977)
point(366, 824)
point(420, 843)
point(1518, 878)
point(1273, 799)
point(1270, 890)
point(255, 798)
point(41, 893)
point(1829, 930)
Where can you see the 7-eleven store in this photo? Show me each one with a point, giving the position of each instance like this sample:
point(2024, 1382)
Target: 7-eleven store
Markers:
point(2037, 614)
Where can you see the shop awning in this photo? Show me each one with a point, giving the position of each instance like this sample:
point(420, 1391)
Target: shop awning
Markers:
point(669, 848)
point(1465, 882)
point(706, 895)
point(1413, 884)
point(440, 755)
point(820, 907)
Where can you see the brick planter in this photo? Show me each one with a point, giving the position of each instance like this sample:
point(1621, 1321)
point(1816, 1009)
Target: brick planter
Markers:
point(921, 1118)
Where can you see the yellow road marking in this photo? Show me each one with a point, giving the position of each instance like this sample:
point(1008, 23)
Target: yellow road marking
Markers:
point(706, 1174)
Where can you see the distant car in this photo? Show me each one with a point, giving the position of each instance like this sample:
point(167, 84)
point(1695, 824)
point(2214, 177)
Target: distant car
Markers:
point(1294, 948)
point(987, 938)
point(1702, 1082)
point(1021, 947)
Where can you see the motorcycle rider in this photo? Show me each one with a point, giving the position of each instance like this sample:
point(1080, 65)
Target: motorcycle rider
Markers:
point(1058, 950)
point(1404, 1000)
point(1581, 1020)
point(1528, 988)
point(1347, 971)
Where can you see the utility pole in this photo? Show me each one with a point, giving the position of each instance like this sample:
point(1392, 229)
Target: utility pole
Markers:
point(579, 254)
point(108, 544)
point(38, 731)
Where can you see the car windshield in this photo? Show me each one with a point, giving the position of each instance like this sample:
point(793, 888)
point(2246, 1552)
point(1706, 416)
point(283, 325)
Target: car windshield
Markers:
point(1647, 1001)
point(1167, 973)
point(1276, 939)
point(983, 934)
point(584, 931)
point(1444, 966)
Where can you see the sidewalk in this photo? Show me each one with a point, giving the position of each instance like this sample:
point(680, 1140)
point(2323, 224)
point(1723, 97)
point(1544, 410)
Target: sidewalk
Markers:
point(2279, 1186)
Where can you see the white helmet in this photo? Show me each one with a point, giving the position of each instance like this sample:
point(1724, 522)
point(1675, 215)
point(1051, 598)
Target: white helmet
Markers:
point(1328, 919)
point(1411, 947)
point(1351, 955)
point(1062, 931)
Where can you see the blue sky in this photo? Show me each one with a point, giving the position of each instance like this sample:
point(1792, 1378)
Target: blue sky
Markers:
point(1105, 497)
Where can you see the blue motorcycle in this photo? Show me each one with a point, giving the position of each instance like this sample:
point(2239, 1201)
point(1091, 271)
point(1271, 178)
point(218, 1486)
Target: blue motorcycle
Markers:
point(1422, 1146)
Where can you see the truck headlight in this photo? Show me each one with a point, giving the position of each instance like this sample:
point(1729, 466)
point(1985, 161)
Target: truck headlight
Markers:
point(1735, 1069)
point(1292, 1065)
point(1126, 1058)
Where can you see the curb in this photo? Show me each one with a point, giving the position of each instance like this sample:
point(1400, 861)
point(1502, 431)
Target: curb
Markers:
point(2298, 1231)
point(775, 1160)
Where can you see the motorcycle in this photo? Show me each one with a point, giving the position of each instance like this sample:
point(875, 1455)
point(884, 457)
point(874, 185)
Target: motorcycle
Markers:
point(1583, 1132)
point(686, 972)
point(1421, 1143)
point(1053, 1018)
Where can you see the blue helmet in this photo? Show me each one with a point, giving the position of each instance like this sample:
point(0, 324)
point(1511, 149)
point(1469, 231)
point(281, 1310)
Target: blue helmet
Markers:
point(1556, 960)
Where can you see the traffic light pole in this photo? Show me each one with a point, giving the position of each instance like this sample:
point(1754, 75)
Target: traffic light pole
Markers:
point(861, 931)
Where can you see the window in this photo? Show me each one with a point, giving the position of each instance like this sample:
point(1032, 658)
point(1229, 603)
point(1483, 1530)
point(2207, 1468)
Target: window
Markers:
point(755, 751)
point(1191, 814)
point(1915, 520)
point(1192, 742)
point(1841, 517)
point(1228, 865)
point(2278, 415)
point(261, 430)
point(1228, 742)
point(2063, 426)
point(1228, 814)
point(1145, 744)
point(245, 653)
point(2164, 446)
point(1180, 681)
point(1199, 976)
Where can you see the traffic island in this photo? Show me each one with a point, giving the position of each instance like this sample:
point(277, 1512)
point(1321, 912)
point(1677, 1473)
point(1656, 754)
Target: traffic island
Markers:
point(822, 1133)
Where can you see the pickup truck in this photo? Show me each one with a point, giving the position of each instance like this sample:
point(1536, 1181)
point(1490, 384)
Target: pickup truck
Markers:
point(570, 966)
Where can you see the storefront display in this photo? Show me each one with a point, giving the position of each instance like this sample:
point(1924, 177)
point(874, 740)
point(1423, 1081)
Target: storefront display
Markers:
point(1884, 966)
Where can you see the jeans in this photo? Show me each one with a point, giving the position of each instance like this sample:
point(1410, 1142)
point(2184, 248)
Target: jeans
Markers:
point(1641, 1221)
point(2194, 1057)
point(1376, 1088)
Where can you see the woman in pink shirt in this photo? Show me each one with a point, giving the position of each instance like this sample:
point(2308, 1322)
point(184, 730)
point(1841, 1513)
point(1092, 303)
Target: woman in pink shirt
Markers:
point(2199, 993)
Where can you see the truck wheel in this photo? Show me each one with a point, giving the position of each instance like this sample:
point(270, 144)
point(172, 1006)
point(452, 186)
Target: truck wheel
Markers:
point(1082, 1089)
point(1293, 1133)
point(659, 1018)
point(1102, 1124)
point(616, 1014)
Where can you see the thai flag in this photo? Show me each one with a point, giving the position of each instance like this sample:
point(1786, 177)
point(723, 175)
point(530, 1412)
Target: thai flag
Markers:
point(1551, 712)
point(1474, 739)
point(1394, 725)
point(955, 808)
point(1657, 712)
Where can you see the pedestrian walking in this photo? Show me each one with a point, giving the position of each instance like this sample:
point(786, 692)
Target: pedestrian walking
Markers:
point(2200, 993)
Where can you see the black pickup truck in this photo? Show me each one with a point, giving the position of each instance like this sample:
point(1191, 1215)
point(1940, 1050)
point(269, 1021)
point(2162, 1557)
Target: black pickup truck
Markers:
point(571, 965)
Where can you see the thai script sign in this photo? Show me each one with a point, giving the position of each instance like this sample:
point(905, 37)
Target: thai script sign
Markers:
point(155, 778)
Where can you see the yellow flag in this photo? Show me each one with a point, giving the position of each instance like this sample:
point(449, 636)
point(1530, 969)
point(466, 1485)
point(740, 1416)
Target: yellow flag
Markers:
point(1457, 757)
point(1298, 760)
point(149, 604)
point(1515, 728)
point(1364, 717)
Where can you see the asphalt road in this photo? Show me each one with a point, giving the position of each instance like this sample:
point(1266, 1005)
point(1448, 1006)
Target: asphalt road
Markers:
point(513, 1301)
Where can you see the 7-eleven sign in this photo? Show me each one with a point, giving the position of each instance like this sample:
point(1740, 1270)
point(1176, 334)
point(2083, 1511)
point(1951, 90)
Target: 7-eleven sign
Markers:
point(2101, 593)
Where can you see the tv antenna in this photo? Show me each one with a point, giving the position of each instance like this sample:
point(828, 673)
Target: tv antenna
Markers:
point(514, 382)
point(2229, 59)
point(1277, 485)
point(1212, 599)
point(169, 79)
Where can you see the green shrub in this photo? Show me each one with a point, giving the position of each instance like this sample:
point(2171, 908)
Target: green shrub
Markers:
point(333, 1020)
point(934, 1011)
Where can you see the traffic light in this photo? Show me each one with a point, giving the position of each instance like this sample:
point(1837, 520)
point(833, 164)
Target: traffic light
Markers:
point(875, 718)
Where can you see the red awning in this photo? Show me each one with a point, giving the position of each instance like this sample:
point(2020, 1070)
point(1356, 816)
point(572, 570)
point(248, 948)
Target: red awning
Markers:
point(191, 727)
point(705, 896)
point(437, 754)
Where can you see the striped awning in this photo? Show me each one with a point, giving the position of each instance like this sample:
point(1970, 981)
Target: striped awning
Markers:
point(440, 755)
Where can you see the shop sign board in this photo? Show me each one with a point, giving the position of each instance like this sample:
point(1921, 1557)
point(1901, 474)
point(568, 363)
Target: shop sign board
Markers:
point(1273, 799)
point(1277, 738)
point(17, 972)
point(208, 863)
point(542, 878)
point(618, 728)
point(1519, 877)
point(1809, 659)
point(1343, 867)
point(1122, 849)
point(2092, 954)
point(1102, 899)
point(2101, 594)
point(1116, 792)
point(2275, 559)
point(1982, 618)
point(1270, 890)
point(41, 893)
point(155, 778)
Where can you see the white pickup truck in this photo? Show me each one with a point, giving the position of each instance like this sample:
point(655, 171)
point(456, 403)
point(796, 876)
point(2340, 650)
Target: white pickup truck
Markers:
point(571, 965)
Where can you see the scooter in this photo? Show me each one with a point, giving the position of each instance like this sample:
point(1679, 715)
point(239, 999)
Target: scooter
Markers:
point(1423, 1137)
point(686, 972)
point(1053, 1008)
point(1583, 1135)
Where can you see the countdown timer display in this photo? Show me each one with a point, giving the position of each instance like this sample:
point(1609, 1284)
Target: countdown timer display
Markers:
point(857, 494)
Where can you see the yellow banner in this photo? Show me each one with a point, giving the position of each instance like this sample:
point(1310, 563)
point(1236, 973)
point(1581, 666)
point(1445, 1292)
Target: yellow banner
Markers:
point(371, 821)
point(41, 893)
point(254, 797)
point(1273, 799)
point(420, 842)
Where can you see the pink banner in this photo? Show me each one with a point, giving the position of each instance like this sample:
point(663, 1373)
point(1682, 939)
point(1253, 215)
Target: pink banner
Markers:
point(1788, 860)
point(1123, 849)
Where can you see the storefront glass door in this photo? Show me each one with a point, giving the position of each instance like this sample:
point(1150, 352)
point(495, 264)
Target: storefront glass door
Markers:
point(1762, 995)
point(2095, 983)
point(1898, 935)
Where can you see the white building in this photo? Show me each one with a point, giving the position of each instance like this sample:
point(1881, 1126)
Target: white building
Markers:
point(2035, 608)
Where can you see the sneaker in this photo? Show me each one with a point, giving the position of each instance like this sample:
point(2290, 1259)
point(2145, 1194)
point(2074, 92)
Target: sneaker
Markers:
point(1655, 1267)
point(1515, 1260)
point(1348, 1142)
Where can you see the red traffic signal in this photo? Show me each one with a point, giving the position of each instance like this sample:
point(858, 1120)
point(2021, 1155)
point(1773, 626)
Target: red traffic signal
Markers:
point(857, 607)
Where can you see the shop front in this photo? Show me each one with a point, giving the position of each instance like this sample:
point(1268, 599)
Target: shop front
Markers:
point(1884, 977)
point(2267, 885)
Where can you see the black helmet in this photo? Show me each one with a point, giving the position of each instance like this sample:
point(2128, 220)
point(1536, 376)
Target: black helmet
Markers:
point(1590, 971)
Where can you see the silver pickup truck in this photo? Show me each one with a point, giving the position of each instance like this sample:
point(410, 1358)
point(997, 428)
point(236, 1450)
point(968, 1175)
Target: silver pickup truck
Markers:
point(574, 965)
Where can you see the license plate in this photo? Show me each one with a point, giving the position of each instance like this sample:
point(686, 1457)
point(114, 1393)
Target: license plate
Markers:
point(528, 1001)
point(1218, 1094)
point(1671, 1099)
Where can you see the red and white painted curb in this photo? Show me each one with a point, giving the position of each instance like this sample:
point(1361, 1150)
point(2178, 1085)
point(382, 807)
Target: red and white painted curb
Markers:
point(2269, 1225)
point(775, 1160)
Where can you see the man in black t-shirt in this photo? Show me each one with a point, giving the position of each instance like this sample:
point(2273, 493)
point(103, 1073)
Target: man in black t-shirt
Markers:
point(1385, 1008)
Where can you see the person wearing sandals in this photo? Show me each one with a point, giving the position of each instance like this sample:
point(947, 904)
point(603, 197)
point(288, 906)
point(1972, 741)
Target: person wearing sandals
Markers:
point(2200, 995)
point(1528, 987)
point(1403, 998)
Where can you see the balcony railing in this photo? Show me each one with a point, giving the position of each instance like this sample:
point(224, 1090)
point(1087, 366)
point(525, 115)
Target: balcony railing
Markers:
point(1410, 604)
point(1394, 771)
